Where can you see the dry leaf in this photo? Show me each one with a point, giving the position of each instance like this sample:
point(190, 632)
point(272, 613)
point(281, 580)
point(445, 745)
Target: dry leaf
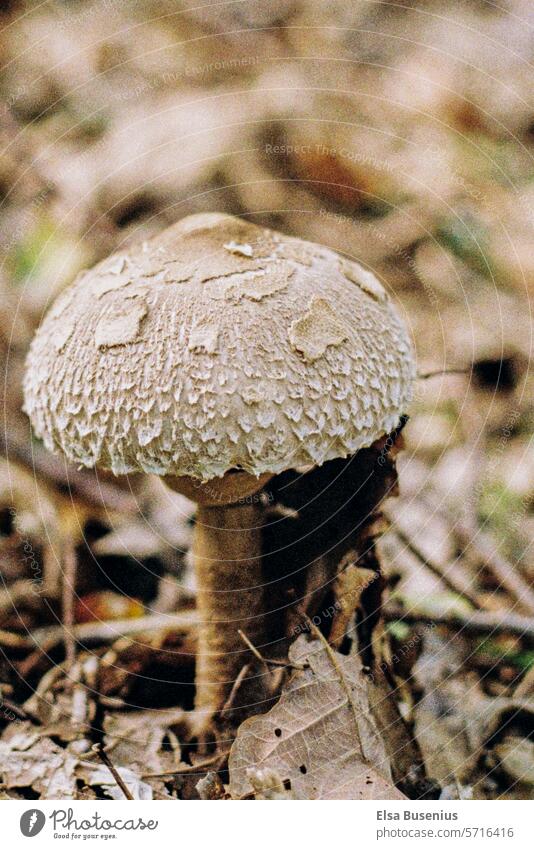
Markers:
point(28, 760)
point(98, 775)
point(455, 720)
point(320, 738)
point(135, 739)
point(448, 716)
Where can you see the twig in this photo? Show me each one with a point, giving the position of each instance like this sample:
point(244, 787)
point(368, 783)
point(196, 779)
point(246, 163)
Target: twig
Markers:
point(450, 574)
point(102, 632)
point(114, 703)
point(482, 546)
point(525, 688)
point(233, 692)
point(507, 575)
point(475, 622)
point(14, 641)
point(99, 749)
point(16, 709)
point(266, 660)
point(188, 768)
point(333, 656)
point(312, 627)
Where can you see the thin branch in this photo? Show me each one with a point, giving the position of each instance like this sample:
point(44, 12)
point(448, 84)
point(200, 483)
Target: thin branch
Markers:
point(102, 632)
point(475, 622)
point(199, 767)
point(450, 574)
point(16, 709)
point(104, 757)
point(506, 573)
point(235, 687)
point(525, 688)
point(481, 545)
point(265, 660)
point(14, 641)
point(334, 660)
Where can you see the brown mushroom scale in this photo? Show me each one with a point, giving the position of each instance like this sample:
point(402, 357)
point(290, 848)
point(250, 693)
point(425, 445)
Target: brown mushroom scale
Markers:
point(217, 355)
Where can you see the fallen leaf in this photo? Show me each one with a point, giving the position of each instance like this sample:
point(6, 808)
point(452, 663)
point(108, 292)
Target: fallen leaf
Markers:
point(456, 721)
point(135, 739)
point(320, 738)
point(448, 724)
point(100, 776)
point(28, 760)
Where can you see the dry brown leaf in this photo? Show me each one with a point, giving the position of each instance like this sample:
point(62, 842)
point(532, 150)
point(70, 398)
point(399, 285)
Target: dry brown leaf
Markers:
point(28, 760)
point(135, 739)
point(448, 716)
point(348, 586)
point(98, 775)
point(320, 738)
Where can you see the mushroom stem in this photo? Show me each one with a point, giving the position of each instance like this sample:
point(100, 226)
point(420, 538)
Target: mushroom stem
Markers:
point(227, 555)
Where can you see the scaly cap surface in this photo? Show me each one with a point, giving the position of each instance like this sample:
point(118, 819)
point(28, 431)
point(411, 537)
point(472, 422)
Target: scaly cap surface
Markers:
point(217, 345)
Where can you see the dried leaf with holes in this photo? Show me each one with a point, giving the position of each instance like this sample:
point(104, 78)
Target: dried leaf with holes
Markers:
point(320, 738)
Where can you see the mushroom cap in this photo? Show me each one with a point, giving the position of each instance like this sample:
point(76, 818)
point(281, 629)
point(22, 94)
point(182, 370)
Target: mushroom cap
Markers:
point(218, 345)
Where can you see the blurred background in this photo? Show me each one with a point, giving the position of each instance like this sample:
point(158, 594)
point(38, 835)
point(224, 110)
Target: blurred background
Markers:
point(401, 135)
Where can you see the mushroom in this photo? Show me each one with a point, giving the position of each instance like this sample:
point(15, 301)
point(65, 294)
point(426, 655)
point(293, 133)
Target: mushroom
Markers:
point(217, 355)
